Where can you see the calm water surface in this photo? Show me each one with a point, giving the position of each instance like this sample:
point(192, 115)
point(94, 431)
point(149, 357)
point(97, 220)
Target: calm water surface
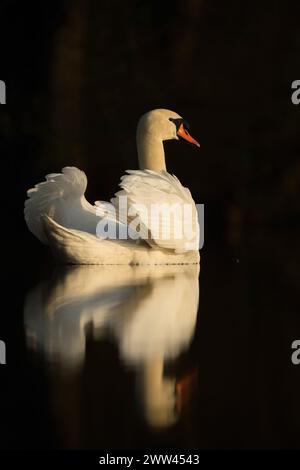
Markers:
point(139, 357)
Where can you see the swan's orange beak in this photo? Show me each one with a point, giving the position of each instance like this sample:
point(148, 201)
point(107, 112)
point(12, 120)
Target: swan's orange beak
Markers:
point(184, 134)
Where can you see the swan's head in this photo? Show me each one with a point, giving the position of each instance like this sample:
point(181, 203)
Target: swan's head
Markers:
point(165, 125)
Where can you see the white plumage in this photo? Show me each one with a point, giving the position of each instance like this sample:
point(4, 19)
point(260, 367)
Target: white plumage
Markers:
point(160, 213)
point(158, 201)
point(61, 198)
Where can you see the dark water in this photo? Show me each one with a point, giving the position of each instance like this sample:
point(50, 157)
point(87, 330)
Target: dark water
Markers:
point(119, 357)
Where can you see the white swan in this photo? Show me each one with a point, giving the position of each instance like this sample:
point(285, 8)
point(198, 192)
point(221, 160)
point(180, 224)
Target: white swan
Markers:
point(58, 214)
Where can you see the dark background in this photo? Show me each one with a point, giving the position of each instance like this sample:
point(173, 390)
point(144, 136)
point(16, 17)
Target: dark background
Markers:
point(78, 75)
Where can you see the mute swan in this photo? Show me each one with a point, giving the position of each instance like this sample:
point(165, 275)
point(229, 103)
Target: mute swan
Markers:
point(58, 214)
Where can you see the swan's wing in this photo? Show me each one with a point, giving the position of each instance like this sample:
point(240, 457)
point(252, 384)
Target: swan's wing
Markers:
point(61, 197)
point(161, 207)
point(78, 247)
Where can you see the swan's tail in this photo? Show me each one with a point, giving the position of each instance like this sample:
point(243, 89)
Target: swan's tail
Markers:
point(60, 197)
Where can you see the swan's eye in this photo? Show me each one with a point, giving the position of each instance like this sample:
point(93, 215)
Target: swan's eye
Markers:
point(177, 122)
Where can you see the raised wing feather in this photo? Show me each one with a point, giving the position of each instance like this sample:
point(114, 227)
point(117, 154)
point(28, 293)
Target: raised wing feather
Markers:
point(61, 197)
point(161, 207)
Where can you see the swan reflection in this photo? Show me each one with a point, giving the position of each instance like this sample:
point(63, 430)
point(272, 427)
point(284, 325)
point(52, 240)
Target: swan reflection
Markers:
point(150, 312)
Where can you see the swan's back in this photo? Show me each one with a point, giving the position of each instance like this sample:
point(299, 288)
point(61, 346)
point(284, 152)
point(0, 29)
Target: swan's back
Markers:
point(58, 214)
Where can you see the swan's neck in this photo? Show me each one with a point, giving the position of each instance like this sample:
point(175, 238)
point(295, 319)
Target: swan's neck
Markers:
point(150, 152)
